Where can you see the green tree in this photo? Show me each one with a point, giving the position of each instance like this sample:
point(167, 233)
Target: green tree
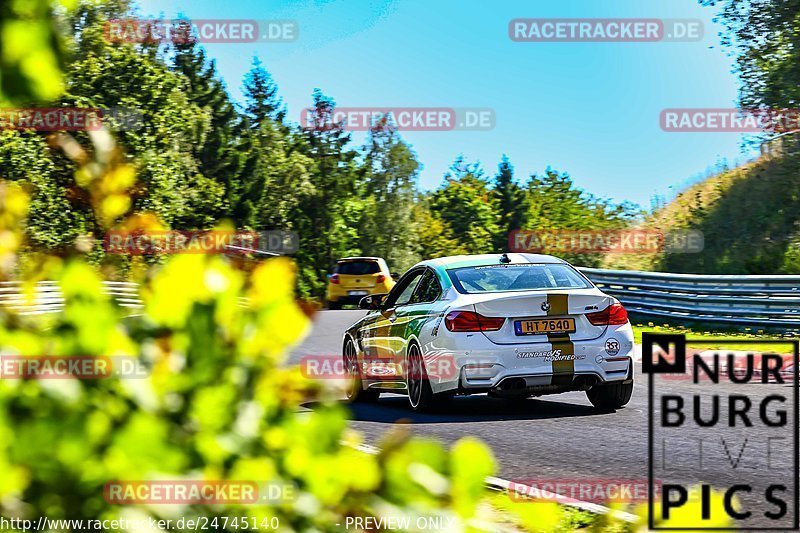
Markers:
point(388, 188)
point(161, 140)
point(173, 182)
point(765, 38)
point(434, 235)
point(219, 150)
point(284, 193)
point(261, 96)
point(466, 202)
point(512, 203)
point(333, 210)
point(555, 203)
point(216, 403)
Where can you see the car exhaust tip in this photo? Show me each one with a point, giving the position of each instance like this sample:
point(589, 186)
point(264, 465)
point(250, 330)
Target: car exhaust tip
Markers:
point(584, 382)
point(513, 387)
point(515, 384)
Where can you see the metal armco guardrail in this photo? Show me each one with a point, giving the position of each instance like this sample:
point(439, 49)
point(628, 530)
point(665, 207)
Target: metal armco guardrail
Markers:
point(760, 301)
point(780, 145)
point(47, 297)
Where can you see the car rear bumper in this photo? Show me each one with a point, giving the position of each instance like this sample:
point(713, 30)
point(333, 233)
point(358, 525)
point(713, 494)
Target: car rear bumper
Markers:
point(338, 294)
point(512, 383)
point(347, 299)
point(479, 365)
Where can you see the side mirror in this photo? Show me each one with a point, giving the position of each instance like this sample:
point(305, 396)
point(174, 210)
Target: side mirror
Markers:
point(395, 275)
point(371, 302)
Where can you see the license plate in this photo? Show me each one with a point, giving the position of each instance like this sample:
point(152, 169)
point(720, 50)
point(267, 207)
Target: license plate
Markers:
point(357, 293)
point(539, 326)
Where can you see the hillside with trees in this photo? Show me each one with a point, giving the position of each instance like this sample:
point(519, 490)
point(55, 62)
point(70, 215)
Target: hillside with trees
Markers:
point(750, 216)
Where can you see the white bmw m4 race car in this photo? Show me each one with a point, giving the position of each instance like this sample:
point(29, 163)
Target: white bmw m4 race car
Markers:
point(511, 325)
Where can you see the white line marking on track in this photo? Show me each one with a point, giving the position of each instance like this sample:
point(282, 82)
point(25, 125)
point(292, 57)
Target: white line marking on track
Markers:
point(503, 484)
point(497, 483)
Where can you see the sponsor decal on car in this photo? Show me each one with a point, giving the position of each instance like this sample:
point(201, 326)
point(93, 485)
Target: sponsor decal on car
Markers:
point(566, 357)
point(563, 367)
point(530, 355)
point(612, 346)
point(550, 356)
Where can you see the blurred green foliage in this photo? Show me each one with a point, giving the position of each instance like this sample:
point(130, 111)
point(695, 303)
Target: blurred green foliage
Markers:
point(216, 404)
point(31, 54)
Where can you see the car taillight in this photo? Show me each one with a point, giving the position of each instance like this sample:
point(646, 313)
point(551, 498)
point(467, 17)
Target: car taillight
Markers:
point(335, 278)
point(613, 315)
point(380, 279)
point(469, 321)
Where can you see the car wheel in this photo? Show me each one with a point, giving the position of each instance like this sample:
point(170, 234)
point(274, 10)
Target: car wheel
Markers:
point(334, 306)
point(420, 394)
point(354, 388)
point(612, 396)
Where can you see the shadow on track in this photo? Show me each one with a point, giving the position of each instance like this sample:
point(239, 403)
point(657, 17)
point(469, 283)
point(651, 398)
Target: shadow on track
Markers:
point(478, 408)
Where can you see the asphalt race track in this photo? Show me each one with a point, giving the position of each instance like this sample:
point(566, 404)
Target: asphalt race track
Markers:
point(562, 437)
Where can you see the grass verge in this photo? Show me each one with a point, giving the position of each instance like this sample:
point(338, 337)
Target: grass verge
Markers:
point(723, 336)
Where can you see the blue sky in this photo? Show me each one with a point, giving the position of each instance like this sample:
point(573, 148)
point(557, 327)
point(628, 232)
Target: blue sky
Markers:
point(589, 109)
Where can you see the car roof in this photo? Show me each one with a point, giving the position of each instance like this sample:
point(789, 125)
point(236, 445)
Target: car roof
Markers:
point(459, 261)
point(365, 258)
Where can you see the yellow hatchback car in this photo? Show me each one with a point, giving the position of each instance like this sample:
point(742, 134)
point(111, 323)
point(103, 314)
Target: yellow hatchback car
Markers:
point(353, 278)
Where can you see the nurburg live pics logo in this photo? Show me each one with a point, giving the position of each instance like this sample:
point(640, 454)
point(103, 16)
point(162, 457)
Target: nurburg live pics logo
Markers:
point(739, 427)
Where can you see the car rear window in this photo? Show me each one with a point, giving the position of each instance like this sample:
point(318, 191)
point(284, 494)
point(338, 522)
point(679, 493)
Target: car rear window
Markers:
point(358, 268)
point(523, 277)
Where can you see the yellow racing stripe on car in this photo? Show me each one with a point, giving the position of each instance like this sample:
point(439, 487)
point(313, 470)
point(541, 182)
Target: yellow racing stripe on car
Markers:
point(563, 371)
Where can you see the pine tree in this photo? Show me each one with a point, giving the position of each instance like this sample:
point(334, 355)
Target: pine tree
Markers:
point(261, 96)
point(334, 209)
point(511, 203)
point(388, 187)
point(220, 149)
point(263, 138)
